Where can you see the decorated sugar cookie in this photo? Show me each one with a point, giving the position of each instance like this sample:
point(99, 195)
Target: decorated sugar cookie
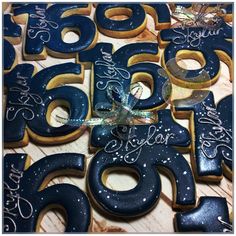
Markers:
point(12, 35)
point(47, 25)
point(211, 215)
point(141, 149)
point(211, 131)
point(31, 97)
point(136, 18)
point(121, 68)
point(27, 197)
point(207, 46)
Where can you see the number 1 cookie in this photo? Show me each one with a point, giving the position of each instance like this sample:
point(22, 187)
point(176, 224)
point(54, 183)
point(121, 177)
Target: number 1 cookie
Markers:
point(211, 131)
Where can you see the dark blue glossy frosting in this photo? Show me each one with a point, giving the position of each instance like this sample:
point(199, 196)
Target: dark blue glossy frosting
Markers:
point(45, 25)
point(113, 69)
point(28, 100)
point(141, 149)
point(25, 198)
point(211, 215)
point(213, 132)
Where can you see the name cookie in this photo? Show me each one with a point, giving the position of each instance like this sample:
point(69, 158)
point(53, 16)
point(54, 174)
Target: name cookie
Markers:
point(211, 131)
point(31, 97)
point(207, 46)
point(47, 25)
point(211, 215)
point(136, 18)
point(27, 197)
point(141, 149)
point(121, 68)
point(12, 35)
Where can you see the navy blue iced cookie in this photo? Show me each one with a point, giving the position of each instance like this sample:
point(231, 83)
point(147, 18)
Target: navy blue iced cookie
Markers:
point(211, 128)
point(125, 66)
point(32, 97)
point(141, 149)
point(12, 35)
point(47, 25)
point(207, 46)
point(136, 18)
point(211, 215)
point(27, 197)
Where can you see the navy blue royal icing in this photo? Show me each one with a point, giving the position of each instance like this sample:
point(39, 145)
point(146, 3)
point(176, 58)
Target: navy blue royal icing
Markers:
point(10, 28)
point(45, 25)
point(12, 31)
point(112, 69)
point(211, 215)
point(9, 55)
point(212, 135)
point(201, 40)
point(25, 195)
point(136, 20)
point(28, 99)
point(141, 149)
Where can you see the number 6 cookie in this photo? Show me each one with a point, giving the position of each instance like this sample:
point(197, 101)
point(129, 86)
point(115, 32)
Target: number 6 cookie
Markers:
point(26, 198)
point(47, 25)
point(31, 97)
point(141, 149)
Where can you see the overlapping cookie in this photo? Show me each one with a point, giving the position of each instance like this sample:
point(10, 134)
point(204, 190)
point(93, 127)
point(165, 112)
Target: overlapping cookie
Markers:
point(46, 26)
point(26, 198)
point(31, 97)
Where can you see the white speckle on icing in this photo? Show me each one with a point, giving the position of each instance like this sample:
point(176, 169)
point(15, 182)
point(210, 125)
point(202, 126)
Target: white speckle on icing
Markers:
point(144, 199)
point(185, 172)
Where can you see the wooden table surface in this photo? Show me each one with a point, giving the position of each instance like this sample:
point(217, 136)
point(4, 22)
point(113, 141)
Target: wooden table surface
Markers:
point(160, 219)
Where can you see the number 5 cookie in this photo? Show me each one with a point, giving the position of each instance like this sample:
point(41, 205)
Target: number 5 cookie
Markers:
point(31, 97)
point(46, 26)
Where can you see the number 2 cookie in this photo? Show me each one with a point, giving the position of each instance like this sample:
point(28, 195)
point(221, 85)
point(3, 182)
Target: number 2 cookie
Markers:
point(141, 149)
point(211, 131)
point(31, 97)
point(27, 199)
point(46, 26)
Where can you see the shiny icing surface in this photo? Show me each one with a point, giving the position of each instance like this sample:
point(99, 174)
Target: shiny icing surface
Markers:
point(134, 21)
point(141, 149)
point(10, 30)
point(211, 215)
point(45, 25)
point(9, 55)
point(213, 132)
point(28, 101)
point(24, 198)
point(197, 39)
point(113, 69)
